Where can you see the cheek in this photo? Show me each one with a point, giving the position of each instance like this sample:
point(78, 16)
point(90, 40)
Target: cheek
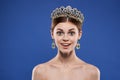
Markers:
point(74, 40)
point(57, 40)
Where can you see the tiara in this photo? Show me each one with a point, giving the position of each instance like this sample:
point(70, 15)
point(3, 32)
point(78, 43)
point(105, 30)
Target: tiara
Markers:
point(67, 12)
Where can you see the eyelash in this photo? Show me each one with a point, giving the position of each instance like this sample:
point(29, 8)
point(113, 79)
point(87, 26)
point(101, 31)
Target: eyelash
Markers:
point(72, 33)
point(59, 33)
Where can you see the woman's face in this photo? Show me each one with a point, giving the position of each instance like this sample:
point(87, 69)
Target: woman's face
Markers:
point(66, 36)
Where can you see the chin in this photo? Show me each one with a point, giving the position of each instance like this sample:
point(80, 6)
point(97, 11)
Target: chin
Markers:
point(65, 53)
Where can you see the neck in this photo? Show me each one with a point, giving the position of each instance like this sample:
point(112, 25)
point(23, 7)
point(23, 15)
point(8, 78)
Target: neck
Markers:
point(66, 58)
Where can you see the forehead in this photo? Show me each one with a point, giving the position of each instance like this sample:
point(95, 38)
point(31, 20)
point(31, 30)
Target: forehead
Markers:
point(66, 26)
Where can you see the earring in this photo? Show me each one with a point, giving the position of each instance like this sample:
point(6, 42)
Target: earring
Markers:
point(53, 44)
point(78, 45)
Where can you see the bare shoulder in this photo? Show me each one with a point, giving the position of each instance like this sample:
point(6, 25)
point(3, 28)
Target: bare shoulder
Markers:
point(38, 71)
point(92, 71)
point(38, 68)
point(42, 68)
point(92, 68)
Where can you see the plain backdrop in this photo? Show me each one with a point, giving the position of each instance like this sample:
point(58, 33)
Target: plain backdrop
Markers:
point(25, 39)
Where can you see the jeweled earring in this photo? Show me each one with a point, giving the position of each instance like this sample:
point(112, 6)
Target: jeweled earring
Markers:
point(53, 44)
point(78, 45)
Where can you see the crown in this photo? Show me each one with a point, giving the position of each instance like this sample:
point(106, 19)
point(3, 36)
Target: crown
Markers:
point(67, 12)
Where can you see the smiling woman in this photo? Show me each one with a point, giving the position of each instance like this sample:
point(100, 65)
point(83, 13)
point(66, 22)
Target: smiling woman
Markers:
point(66, 31)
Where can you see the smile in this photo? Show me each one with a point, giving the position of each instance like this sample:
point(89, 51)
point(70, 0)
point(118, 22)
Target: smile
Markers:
point(65, 45)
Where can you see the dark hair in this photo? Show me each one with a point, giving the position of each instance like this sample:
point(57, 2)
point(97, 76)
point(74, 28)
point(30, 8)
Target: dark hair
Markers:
point(64, 19)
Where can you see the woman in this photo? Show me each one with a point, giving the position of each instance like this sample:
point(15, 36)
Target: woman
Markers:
point(66, 31)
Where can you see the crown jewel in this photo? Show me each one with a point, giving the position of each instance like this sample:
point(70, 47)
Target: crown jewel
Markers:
point(67, 11)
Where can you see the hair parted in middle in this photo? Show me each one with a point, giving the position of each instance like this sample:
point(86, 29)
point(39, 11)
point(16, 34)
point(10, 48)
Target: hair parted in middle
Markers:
point(64, 14)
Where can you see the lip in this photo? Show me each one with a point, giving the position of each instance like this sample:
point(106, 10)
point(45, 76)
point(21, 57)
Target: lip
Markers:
point(65, 45)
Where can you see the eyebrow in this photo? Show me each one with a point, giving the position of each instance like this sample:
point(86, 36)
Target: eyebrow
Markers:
point(69, 29)
point(60, 29)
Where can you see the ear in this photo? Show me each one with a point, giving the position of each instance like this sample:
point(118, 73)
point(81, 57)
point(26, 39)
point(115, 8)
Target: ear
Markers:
point(52, 35)
point(80, 35)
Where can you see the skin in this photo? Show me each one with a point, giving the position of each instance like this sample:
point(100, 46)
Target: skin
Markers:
point(66, 65)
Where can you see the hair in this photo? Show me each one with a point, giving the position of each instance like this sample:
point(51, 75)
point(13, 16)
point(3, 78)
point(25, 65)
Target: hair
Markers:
point(65, 19)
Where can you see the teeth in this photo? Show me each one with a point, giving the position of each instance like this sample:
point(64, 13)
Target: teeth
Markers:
point(65, 44)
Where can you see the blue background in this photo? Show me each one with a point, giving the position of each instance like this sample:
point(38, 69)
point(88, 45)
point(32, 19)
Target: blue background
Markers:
point(25, 39)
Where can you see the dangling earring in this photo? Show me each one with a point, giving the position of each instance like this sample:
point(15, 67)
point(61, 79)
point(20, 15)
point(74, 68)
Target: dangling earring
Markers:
point(53, 44)
point(78, 45)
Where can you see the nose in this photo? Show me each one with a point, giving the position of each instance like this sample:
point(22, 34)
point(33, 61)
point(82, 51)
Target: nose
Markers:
point(65, 38)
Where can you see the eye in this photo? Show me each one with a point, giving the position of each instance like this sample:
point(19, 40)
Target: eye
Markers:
point(71, 33)
point(60, 33)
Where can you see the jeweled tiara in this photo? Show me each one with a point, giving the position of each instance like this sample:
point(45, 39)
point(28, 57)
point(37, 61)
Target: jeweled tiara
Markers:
point(67, 12)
